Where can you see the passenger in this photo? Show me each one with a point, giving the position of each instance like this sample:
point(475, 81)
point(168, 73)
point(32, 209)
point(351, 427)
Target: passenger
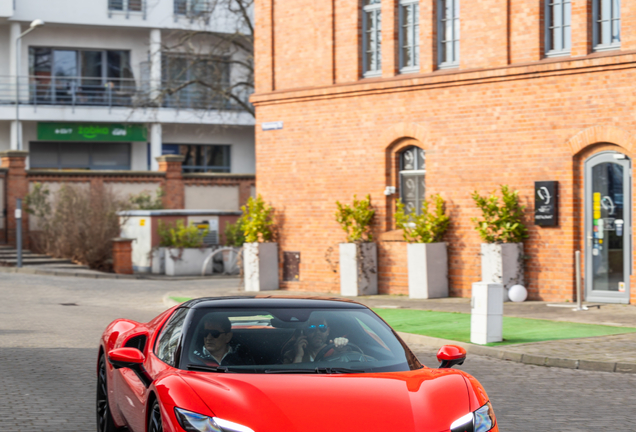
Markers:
point(313, 339)
point(216, 349)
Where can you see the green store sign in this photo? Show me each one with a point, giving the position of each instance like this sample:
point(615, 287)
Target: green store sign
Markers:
point(105, 132)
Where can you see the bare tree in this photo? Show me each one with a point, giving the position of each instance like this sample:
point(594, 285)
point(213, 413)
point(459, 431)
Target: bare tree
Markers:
point(211, 65)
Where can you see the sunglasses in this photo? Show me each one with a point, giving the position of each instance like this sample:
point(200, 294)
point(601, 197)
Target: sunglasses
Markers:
point(214, 333)
point(311, 329)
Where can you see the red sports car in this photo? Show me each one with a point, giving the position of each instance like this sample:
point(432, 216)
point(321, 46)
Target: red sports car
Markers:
point(272, 364)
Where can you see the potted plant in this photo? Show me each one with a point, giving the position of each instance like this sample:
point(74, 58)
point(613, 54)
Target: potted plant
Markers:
point(359, 256)
point(502, 229)
point(234, 239)
point(158, 253)
point(185, 250)
point(427, 254)
point(260, 254)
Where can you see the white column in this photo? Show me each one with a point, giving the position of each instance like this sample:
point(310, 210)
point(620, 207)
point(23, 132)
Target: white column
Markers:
point(155, 63)
point(16, 127)
point(155, 145)
point(15, 31)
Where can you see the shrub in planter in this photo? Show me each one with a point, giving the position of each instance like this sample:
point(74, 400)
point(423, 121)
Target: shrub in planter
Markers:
point(185, 251)
point(502, 229)
point(427, 254)
point(234, 238)
point(359, 256)
point(76, 222)
point(260, 253)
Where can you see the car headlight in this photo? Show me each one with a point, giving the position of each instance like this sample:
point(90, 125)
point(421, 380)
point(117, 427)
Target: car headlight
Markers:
point(193, 422)
point(481, 420)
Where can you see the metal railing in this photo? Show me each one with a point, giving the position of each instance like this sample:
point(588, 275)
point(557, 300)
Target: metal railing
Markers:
point(110, 92)
point(127, 6)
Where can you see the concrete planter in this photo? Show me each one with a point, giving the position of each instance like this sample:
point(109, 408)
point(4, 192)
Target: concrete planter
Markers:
point(260, 264)
point(158, 261)
point(502, 264)
point(428, 270)
point(231, 261)
point(187, 261)
point(358, 269)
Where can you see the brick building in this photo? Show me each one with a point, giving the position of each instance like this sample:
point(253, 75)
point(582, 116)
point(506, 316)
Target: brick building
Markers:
point(493, 91)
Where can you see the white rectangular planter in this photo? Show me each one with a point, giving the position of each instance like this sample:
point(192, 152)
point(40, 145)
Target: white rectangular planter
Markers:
point(358, 269)
point(158, 260)
point(428, 270)
point(503, 264)
point(486, 313)
point(187, 261)
point(260, 264)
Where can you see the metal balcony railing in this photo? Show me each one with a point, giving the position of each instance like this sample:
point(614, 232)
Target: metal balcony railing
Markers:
point(127, 6)
point(110, 92)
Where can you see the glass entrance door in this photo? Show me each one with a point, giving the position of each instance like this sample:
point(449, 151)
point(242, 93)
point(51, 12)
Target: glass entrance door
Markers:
point(607, 228)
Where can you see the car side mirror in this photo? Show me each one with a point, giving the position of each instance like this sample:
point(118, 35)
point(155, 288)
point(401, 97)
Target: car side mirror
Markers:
point(126, 358)
point(451, 355)
point(130, 358)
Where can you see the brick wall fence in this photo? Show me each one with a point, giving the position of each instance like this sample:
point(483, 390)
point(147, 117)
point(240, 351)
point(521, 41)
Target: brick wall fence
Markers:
point(209, 191)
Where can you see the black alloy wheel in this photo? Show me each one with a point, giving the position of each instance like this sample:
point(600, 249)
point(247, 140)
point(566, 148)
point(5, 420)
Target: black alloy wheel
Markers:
point(154, 420)
point(105, 421)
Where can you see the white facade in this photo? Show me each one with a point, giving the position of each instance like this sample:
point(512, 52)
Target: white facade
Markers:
point(91, 27)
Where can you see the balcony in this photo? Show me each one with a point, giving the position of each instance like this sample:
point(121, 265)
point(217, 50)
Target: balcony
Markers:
point(111, 93)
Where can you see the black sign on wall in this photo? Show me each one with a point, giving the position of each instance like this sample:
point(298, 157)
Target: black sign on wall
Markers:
point(546, 203)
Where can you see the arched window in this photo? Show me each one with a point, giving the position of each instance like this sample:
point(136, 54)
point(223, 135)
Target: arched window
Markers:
point(412, 179)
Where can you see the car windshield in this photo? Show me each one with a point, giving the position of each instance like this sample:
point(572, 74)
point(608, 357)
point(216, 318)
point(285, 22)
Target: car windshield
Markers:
point(299, 340)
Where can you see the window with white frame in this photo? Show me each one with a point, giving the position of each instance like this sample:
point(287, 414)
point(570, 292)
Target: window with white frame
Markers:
point(409, 36)
point(448, 33)
point(372, 38)
point(607, 24)
point(126, 5)
point(558, 40)
point(412, 180)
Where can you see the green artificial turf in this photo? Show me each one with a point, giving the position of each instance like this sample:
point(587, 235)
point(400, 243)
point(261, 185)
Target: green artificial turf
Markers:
point(180, 299)
point(456, 326)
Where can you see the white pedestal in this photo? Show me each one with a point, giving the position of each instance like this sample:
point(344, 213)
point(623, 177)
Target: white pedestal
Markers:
point(187, 261)
point(260, 264)
point(428, 270)
point(358, 269)
point(486, 319)
point(502, 264)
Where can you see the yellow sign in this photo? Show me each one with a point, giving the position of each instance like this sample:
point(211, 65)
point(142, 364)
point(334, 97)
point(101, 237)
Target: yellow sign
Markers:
point(597, 214)
point(142, 222)
point(597, 196)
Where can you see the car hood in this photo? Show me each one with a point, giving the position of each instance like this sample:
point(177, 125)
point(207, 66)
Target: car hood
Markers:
point(416, 401)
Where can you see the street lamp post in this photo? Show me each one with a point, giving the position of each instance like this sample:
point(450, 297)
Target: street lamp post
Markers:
point(18, 135)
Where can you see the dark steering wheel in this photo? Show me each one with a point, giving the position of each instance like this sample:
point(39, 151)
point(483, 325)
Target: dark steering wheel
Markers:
point(324, 350)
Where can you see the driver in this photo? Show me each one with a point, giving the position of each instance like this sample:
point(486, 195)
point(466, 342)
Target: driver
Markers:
point(314, 338)
point(216, 349)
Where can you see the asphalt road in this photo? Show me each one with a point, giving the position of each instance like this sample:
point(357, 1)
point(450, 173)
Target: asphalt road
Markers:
point(47, 361)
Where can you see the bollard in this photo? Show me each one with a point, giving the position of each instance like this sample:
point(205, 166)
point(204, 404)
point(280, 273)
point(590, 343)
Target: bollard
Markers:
point(486, 314)
point(18, 231)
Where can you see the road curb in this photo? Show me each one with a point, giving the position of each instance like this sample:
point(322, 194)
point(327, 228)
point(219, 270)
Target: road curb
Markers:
point(36, 271)
point(531, 359)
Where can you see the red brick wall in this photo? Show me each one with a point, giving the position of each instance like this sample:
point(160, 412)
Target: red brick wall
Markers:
point(506, 116)
point(505, 130)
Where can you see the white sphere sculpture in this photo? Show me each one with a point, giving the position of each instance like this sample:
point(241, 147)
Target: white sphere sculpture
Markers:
point(518, 293)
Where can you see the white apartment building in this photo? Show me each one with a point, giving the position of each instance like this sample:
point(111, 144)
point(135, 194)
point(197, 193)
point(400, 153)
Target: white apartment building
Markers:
point(90, 84)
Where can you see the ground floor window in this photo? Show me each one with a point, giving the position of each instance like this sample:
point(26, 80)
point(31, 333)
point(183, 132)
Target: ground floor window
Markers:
point(209, 158)
point(80, 155)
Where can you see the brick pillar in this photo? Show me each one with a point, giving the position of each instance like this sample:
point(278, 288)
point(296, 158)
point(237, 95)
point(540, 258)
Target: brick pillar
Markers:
point(174, 189)
point(17, 187)
point(122, 256)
